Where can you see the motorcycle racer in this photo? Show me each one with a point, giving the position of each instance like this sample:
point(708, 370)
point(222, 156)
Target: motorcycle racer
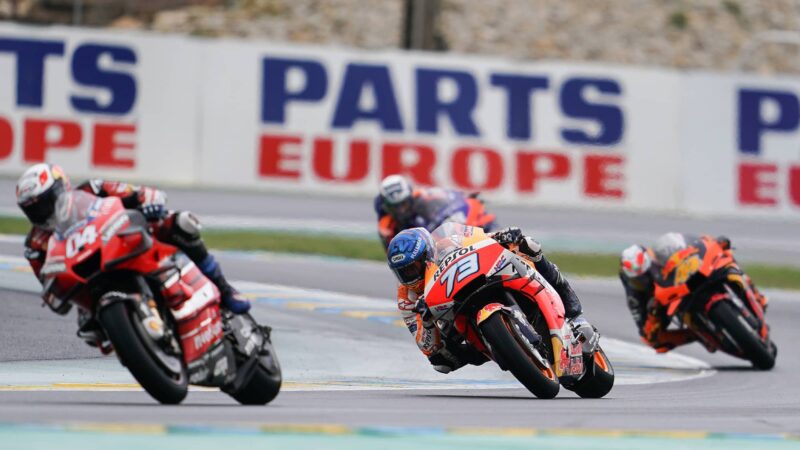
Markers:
point(640, 272)
point(409, 254)
point(400, 206)
point(41, 185)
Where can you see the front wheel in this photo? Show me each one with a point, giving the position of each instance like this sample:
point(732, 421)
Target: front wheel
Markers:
point(509, 346)
point(161, 383)
point(598, 380)
point(736, 328)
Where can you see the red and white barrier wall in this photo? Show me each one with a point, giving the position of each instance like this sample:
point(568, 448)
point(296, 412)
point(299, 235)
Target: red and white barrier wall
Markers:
point(162, 108)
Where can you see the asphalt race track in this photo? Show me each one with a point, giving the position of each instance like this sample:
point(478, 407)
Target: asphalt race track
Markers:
point(348, 365)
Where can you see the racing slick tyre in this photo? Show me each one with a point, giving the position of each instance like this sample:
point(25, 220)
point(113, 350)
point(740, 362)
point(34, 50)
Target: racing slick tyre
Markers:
point(599, 381)
point(166, 387)
point(261, 389)
point(760, 353)
point(507, 345)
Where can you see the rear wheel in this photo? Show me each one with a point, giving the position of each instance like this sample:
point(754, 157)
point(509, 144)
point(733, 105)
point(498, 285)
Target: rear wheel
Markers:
point(735, 326)
point(510, 347)
point(261, 389)
point(265, 382)
point(161, 383)
point(599, 380)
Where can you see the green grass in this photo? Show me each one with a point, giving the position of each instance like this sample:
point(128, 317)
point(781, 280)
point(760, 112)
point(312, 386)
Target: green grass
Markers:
point(296, 243)
point(601, 265)
point(14, 225)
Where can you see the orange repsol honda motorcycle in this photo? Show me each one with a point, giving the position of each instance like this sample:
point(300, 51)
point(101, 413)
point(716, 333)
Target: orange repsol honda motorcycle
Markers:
point(494, 300)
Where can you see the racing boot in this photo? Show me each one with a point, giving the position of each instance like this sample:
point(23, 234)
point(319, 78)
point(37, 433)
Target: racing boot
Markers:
point(585, 333)
point(231, 298)
point(91, 332)
point(760, 298)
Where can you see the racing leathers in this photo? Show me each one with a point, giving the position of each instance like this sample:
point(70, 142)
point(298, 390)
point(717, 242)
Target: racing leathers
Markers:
point(448, 356)
point(430, 208)
point(651, 316)
point(180, 229)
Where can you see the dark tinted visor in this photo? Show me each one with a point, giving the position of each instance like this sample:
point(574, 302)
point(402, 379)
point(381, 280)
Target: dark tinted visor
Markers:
point(402, 210)
point(411, 273)
point(40, 209)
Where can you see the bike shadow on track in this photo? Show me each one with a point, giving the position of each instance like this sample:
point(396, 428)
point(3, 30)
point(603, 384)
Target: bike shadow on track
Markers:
point(732, 368)
point(521, 396)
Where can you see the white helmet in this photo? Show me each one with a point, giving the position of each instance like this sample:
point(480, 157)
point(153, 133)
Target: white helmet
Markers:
point(38, 189)
point(667, 245)
point(395, 189)
point(397, 195)
point(635, 261)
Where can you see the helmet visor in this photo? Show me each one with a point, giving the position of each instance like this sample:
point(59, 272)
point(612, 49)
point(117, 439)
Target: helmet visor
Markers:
point(38, 210)
point(411, 273)
point(401, 211)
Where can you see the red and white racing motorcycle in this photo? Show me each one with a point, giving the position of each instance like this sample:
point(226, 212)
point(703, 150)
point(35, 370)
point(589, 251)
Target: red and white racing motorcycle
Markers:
point(160, 313)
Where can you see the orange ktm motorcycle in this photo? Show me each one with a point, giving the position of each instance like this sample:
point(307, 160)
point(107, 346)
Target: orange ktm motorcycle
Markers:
point(494, 300)
point(705, 290)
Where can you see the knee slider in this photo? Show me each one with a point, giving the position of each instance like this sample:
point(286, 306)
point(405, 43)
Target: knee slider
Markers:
point(188, 224)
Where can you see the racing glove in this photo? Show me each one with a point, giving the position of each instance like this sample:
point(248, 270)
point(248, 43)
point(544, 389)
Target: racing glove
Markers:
point(152, 203)
point(508, 236)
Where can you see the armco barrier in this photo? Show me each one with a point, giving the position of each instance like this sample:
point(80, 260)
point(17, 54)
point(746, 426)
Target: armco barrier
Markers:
point(176, 109)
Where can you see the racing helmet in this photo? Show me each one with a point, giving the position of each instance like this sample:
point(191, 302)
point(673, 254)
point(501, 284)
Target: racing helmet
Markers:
point(397, 195)
point(635, 261)
point(409, 253)
point(667, 245)
point(38, 189)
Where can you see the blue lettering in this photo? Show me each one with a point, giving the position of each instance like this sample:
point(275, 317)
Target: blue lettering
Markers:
point(458, 110)
point(752, 124)
point(519, 89)
point(385, 111)
point(30, 66)
point(574, 105)
point(275, 94)
point(87, 72)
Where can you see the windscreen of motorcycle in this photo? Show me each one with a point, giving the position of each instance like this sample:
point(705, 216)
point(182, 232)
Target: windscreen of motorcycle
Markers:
point(461, 253)
point(73, 210)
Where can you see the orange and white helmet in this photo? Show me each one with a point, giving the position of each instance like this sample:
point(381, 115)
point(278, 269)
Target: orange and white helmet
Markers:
point(38, 189)
point(635, 261)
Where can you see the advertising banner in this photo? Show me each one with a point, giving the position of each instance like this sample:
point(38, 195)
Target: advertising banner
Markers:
point(741, 145)
point(253, 115)
point(98, 103)
point(338, 121)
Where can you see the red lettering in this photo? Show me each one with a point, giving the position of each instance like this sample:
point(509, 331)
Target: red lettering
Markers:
point(420, 167)
point(492, 169)
point(794, 185)
point(6, 138)
point(275, 154)
point(358, 163)
point(532, 167)
point(109, 141)
point(44, 135)
point(602, 176)
point(757, 184)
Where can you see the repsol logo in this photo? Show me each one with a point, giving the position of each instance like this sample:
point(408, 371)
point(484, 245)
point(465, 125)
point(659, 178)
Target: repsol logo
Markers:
point(452, 257)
